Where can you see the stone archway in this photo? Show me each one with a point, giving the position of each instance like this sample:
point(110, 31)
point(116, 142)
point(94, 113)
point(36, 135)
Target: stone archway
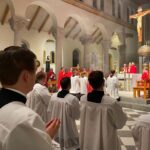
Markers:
point(127, 51)
point(80, 21)
point(114, 50)
point(41, 31)
point(74, 32)
point(47, 8)
point(102, 39)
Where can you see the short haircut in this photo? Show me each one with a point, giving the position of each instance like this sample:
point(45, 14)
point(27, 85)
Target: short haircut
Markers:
point(65, 82)
point(113, 72)
point(40, 76)
point(13, 60)
point(96, 79)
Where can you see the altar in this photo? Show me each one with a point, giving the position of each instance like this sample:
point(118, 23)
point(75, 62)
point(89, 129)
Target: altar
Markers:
point(128, 80)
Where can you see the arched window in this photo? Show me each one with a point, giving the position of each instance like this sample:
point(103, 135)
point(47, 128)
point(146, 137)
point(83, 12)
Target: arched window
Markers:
point(102, 5)
point(95, 3)
point(52, 54)
point(119, 11)
point(75, 57)
point(113, 7)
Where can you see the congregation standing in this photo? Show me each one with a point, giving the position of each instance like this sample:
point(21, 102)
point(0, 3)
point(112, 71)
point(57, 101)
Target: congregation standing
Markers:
point(32, 118)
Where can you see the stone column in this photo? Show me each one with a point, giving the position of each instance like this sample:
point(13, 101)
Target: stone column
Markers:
point(122, 48)
point(18, 24)
point(122, 55)
point(85, 60)
point(106, 47)
point(86, 41)
point(59, 48)
point(140, 64)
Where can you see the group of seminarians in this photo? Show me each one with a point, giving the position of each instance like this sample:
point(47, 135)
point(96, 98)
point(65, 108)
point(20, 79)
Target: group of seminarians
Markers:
point(79, 80)
point(21, 128)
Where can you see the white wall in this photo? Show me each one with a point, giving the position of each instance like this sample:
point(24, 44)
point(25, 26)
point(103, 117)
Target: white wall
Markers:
point(68, 47)
point(132, 48)
point(6, 36)
point(37, 42)
point(89, 2)
point(98, 63)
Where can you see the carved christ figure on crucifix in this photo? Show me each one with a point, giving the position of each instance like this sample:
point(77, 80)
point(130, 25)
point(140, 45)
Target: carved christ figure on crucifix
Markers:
point(138, 16)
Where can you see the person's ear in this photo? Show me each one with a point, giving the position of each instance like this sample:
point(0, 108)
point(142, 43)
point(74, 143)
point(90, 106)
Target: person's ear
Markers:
point(25, 76)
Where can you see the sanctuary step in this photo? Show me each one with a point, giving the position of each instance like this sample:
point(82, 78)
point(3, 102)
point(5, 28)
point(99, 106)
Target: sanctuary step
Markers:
point(135, 103)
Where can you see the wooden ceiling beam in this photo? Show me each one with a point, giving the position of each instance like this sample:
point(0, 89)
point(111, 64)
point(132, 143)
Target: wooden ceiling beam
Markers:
point(76, 35)
point(5, 14)
point(95, 31)
point(34, 17)
point(66, 23)
point(44, 22)
point(71, 29)
point(98, 42)
point(97, 37)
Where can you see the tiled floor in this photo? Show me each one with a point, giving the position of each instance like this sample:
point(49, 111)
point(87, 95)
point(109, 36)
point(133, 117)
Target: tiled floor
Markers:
point(125, 135)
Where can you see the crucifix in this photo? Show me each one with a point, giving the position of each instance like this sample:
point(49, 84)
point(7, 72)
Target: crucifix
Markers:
point(138, 16)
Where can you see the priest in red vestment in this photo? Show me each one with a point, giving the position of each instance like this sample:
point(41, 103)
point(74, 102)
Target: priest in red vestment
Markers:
point(133, 68)
point(60, 76)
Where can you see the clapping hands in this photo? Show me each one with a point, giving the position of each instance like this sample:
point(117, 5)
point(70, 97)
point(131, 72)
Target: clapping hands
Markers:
point(52, 127)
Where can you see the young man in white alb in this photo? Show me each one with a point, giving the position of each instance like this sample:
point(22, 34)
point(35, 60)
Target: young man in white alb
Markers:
point(100, 117)
point(20, 127)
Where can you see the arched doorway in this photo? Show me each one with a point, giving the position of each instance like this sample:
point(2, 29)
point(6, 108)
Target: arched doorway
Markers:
point(52, 55)
point(75, 57)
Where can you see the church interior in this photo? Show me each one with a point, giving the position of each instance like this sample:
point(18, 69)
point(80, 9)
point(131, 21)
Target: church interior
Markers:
point(91, 35)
